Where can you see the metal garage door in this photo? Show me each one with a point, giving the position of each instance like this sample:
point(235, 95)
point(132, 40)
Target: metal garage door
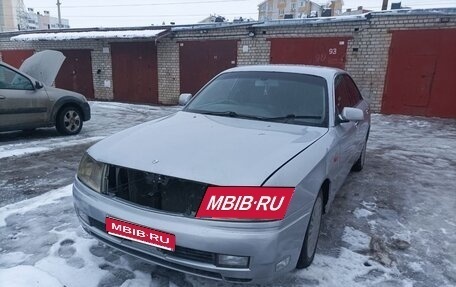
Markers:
point(421, 74)
point(200, 61)
point(327, 51)
point(76, 73)
point(134, 72)
point(16, 57)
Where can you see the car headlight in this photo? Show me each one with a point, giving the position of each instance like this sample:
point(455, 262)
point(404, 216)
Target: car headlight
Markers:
point(90, 172)
point(232, 261)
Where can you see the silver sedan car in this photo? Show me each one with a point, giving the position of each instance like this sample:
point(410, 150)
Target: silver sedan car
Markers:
point(234, 186)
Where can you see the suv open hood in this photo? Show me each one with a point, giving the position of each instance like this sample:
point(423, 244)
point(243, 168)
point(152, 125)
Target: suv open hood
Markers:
point(43, 66)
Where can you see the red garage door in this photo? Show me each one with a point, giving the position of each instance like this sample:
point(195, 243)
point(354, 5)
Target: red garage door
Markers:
point(16, 57)
point(326, 51)
point(76, 73)
point(421, 74)
point(134, 72)
point(200, 61)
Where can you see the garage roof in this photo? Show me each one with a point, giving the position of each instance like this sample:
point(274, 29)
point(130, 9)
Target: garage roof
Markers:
point(60, 36)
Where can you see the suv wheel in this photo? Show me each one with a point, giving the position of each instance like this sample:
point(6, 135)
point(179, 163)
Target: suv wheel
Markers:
point(69, 121)
point(309, 245)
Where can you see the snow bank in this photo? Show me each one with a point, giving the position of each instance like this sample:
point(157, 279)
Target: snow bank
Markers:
point(12, 259)
point(357, 240)
point(70, 258)
point(21, 152)
point(125, 34)
point(16, 150)
point(34, 277)
point(361, 212)
point(30, 204)
point(346, 270)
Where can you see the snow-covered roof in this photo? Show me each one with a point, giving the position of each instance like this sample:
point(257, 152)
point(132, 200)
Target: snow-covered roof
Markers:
point(357, 17)
point(408, 11)
point(319, 20)
point(60, 36)
point(215, 25)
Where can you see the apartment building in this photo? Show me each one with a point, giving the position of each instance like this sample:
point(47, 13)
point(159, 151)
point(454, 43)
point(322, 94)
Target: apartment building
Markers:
point(43, 21)
point(14, 16)
point(292, 9)
point(288, 9)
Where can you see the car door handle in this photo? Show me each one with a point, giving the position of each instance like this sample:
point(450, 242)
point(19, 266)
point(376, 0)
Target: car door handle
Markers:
point(2, 97)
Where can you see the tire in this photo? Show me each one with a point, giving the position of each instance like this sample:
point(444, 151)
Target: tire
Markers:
point(309, 246)
point(69, 121)
point(359, 164)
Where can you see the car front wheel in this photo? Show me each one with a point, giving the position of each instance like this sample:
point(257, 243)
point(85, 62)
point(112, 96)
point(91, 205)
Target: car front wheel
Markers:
point(309, 245)
point(69, 121)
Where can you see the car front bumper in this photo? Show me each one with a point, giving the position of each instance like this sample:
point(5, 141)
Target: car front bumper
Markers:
point(266, 243)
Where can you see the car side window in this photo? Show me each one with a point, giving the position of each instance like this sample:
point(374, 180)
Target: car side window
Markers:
point(342, 97)
point(355, 95)
point(12, 80)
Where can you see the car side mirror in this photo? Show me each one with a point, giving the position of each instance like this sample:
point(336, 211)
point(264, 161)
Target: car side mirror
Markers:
point(38, 85)
point(352, 114)
point(184, 99)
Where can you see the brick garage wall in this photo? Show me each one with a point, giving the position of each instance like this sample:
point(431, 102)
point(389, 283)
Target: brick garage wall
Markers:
point(253, 51)
point(100, 60)
point(367, 50)
point(168, 56)
point(368, 65)
point(357, 31)
point(168, 72)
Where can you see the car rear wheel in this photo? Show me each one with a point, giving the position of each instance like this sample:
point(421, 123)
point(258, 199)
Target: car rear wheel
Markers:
point(309, 245)
point(359, 164)
point(69, 121)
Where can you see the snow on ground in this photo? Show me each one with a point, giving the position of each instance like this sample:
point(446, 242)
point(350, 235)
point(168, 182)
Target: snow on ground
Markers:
point(393, 224)
point(361, 212)
point(17, 150)
point(34, 277)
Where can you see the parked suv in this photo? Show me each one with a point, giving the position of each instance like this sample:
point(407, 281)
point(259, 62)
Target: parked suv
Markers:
point(28, 101)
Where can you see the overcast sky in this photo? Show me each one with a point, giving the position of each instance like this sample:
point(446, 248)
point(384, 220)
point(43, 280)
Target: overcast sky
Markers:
point(114, 13)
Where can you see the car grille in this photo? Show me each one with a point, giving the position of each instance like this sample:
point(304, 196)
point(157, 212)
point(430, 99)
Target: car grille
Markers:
point(179, 252)
point(159, 192)
point(192, 254)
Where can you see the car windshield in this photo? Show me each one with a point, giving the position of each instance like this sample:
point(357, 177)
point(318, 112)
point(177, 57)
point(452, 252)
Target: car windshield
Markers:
point(269, 96)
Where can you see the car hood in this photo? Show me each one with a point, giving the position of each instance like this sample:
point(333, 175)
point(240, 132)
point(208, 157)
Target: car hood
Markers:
point(43, 66)
point(211, 149)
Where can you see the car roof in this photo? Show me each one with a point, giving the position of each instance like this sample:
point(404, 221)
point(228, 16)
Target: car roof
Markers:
point(325, 72)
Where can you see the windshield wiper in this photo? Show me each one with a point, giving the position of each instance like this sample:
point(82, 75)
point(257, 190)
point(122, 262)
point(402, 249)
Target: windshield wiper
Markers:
point(230, 114)
point(292, 117)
